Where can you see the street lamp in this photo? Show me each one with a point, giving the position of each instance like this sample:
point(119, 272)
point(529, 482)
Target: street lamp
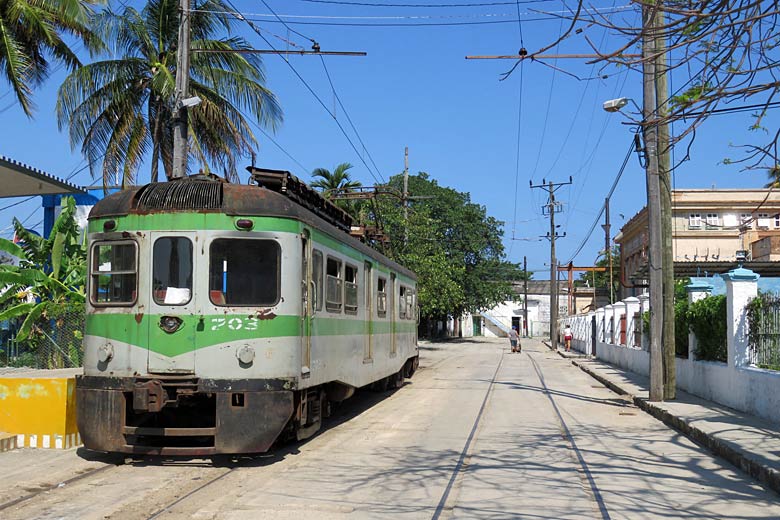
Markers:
point(655, 244)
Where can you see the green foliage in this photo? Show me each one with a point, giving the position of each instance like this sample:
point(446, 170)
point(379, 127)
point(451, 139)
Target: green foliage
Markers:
point(339, 180)
point(707, 319)
point(119, 109)
point(451, 243)
point(50, 278)
point(691, 95)
point(31, 38)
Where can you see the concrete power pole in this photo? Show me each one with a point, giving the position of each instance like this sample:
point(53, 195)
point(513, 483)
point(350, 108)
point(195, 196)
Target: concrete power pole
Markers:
point(655, 264)
point(182, 86)
point(406, 195)
point(525, 296)
point(552, 207)
point(608, 250)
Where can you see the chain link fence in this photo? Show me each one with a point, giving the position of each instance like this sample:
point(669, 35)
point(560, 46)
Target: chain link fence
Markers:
point(54, 343)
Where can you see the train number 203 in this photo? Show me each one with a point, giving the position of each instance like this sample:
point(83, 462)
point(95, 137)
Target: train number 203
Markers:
point(234, 323)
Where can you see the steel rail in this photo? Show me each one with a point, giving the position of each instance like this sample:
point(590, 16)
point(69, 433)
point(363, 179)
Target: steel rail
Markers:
point(594, 490)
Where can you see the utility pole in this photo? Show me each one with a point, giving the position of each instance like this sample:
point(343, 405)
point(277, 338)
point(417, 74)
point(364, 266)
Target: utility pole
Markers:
point(552, 207)
point(525, 296)
point(180, 124)
point(608, 249)
point(665, 184)
point(406, 195)
point(655, 264)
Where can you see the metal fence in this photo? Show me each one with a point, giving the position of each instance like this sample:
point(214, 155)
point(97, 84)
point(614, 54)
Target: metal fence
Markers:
point(54, 343)
point(764, 333)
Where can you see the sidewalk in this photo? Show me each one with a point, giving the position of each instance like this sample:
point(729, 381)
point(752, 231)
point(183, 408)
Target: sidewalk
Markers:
point(750, 443)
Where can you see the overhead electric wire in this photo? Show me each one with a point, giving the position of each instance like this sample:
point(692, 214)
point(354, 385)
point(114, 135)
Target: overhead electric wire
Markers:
point(349, 119)
point(603, 207)
point(433, 6)
point(519, 129)
point(306, 84)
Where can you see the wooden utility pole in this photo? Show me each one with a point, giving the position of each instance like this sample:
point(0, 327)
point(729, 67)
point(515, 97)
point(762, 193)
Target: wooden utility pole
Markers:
point(180, 124)
point(655, 264)
point(525, 296)
point(552, 207)
point(668, 342)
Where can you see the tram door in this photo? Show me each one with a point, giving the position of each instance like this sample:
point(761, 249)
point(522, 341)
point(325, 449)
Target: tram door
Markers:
point(173, 322)
point(309, 294)
point(368, 349)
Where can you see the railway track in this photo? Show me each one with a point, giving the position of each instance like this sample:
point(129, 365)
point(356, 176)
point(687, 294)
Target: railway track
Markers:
point(589, 484)
point(47, 489)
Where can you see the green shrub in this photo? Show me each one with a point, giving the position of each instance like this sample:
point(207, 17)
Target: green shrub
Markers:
point(707, 319)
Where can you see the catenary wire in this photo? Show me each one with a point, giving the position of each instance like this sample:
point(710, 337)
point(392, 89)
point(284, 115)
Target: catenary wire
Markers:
point(603, 207)
point(306, 84)
point(431, 6)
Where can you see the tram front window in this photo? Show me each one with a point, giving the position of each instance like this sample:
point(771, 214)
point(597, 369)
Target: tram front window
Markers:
point(113, 272)
point(244, 272)
point(172, 271)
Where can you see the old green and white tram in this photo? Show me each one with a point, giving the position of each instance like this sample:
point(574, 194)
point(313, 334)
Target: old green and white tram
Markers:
point(223, 316)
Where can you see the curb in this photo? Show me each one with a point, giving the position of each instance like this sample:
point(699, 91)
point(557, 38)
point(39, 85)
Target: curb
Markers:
point(767, 475)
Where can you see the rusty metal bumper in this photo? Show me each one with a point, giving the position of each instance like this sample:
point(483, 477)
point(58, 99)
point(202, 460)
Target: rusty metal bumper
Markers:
point(194, 418)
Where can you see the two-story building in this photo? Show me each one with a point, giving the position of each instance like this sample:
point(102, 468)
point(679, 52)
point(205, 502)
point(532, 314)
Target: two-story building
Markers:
point(709, 227)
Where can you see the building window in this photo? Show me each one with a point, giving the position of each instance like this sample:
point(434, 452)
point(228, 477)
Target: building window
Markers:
point(713, 220)
point(777, 220)
point(746, 220)
point(694, 221)
point(763, 221)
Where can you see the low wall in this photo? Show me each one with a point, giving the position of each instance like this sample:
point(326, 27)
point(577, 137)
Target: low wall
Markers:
point(39, 407)
point(735, 384)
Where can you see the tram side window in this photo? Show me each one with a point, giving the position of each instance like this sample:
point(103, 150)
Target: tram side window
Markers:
point(350, 289)
point(410, 315)
point(402, 303)
point(244, 272)
point(333, 297)
point(172, 271)
point(381, 297)
point(114, 273)
point(316, 273)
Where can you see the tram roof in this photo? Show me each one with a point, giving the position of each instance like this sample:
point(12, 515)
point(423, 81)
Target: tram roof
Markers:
point(232, 199)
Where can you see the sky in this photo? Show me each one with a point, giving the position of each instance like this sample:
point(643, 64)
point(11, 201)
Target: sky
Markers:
point(463, 126)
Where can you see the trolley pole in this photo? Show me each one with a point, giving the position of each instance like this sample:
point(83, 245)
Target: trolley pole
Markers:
point(406, 195)
point(551, 208)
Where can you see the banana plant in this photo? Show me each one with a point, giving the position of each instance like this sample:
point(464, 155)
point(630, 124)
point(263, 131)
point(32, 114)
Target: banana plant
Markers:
point(51, 276)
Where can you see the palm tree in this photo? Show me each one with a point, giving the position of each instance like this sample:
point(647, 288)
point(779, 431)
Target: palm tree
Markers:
point(331, 183)
point(774, 177)
point(31, 36)
point(120, 109)
point(339, 180)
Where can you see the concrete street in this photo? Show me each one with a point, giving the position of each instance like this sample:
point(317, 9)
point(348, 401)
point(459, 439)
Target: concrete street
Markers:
point(477, 433)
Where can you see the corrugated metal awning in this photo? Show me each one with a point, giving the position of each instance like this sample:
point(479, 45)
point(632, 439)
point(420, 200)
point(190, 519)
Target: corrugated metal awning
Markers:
point(20, 180)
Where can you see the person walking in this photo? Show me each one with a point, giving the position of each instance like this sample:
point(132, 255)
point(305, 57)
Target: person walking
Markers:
point(514, 340)
point(567, 335)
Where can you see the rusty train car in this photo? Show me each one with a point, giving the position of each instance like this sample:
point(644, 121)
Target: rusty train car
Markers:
point(222, 317)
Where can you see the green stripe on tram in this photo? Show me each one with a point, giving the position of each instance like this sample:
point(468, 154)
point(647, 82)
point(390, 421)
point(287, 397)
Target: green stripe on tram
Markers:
point(194, 222)
point(221, 328)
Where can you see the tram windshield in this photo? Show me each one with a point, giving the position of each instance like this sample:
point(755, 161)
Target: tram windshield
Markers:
point(172, 271)
point(244, 272)
point(113, 272)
